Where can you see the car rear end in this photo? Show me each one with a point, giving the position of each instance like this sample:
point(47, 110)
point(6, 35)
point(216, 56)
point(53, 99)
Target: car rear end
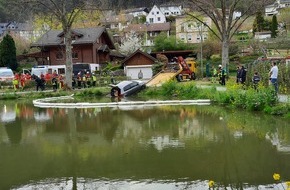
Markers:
point(6, 76)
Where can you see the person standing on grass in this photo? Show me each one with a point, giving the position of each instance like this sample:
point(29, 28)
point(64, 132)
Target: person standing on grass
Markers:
point(222, 75)
point(54, 83)
point(243, 75)
point(79, 80)
point(274, 76)
point(22, 80)
point(256, 79)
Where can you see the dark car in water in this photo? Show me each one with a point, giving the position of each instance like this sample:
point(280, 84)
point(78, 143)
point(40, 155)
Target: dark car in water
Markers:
point(127, 88)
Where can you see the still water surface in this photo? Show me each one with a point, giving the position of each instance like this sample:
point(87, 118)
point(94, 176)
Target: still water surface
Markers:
point(168, 147)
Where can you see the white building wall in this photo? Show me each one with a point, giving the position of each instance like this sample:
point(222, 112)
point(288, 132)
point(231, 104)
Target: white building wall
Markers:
point(155, 16)
point(237, 15)
point(262, 37)
point(132, 71)
point(191, 31)
point(171, 10)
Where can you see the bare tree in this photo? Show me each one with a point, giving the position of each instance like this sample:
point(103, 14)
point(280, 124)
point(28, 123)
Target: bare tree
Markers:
point(65, 12)
point(222, 14)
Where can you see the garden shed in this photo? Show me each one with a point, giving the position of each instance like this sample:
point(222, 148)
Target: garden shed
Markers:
point(139, 65)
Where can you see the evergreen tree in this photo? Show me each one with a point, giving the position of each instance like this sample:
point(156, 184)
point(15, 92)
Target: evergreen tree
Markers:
point(274, 27)
point(8, 53)
point(259, 22)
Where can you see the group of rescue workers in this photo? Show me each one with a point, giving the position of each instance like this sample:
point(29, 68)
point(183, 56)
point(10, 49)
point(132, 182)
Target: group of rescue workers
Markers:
point(19, 80)
point(84, 80)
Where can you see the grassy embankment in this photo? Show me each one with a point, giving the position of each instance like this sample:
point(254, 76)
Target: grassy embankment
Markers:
point(235, 96)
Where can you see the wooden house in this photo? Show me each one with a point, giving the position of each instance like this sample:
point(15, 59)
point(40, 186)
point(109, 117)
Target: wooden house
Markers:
point(89, 45)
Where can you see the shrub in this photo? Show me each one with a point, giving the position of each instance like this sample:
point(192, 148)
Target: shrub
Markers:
point(235, 96)
point(90, 92)
point(169, 88)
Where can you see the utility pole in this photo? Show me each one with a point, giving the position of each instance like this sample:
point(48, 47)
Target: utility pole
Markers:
point(200, 31)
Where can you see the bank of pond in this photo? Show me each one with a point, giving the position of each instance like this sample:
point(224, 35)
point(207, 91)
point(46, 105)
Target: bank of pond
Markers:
point(263, 99)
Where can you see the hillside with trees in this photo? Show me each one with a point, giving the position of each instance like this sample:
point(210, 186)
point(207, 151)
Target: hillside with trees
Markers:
point(16, 10)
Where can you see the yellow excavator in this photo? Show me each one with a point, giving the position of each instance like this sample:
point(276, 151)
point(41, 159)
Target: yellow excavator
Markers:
point(180, 69)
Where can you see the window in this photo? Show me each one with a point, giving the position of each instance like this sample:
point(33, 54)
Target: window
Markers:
point(152, 13)
point(158, 18)
point(75, 55)
point(182, 28)
point(131, 85)
point(157, 12)
point(189, 26)
point(59, 55)
point(189, 37)
point(61, 71)
point(151, 20)
point(182, 38)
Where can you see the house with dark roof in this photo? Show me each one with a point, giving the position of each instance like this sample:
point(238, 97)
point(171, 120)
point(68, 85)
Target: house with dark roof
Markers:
point(138, 12)
point(149, 31)
point(23, 30)
point(138, 62)
point(89, 45)
point(274, 8)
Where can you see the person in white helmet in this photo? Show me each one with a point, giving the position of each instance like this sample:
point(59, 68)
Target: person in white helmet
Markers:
point(222, 75)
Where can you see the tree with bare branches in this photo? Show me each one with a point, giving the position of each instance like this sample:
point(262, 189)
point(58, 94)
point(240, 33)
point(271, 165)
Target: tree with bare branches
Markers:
point(222, 14)
point(65, 12)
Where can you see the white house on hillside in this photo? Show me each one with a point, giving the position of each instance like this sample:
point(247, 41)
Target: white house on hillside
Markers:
point(273, 9)
point(22, 30)
point(171, 9)
point(155, 16)
point(237, 14)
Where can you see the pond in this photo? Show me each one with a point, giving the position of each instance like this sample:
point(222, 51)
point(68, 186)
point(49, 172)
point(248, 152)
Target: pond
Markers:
point(166, 147)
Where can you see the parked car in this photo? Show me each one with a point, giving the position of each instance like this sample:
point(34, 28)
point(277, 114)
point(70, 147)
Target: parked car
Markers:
point(127, 88)
point(6, 74)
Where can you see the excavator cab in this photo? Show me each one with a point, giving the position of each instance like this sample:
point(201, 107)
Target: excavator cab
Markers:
point(188, 68)
point(191, 64)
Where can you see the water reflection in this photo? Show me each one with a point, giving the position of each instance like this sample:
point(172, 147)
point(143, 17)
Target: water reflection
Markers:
point(168, 147)
point(7, 115)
